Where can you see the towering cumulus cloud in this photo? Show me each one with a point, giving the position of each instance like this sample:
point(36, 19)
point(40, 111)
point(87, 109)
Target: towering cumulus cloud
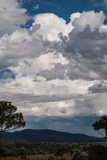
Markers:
point(54, 71)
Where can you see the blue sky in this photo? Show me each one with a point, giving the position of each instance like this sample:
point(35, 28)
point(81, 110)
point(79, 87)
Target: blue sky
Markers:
point(63, 8)
point(59, 7)
point(53, 61)
point(5, 73)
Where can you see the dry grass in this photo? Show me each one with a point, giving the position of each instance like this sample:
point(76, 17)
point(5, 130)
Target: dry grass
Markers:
point(32, 157)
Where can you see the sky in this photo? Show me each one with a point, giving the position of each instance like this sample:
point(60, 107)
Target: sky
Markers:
point(53, 62)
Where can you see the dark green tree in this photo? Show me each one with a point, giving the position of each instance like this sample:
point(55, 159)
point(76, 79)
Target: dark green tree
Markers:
point(101, 125)
point(9, 118)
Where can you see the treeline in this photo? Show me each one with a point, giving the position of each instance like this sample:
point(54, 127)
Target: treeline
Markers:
point(75, 151)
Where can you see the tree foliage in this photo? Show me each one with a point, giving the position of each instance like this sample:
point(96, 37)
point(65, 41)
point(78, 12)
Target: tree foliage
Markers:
point(9, 119)
point(101, 124)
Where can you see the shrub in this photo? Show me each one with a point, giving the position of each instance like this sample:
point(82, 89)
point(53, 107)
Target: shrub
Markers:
point(78, 156)
point(51, 158)
point(97, 152)
point(23, 157)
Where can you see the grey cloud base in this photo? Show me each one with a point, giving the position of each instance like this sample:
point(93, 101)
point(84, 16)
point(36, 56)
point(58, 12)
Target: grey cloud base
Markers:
point(66, 124)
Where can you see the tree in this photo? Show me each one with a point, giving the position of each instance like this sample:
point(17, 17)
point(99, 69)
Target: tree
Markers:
point(9, 119)
point(101, 124)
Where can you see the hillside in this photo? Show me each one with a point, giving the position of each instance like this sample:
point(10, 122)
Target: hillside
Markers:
point(48, 136)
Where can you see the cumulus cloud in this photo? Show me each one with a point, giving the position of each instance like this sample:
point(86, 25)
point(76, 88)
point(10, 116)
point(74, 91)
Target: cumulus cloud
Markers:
point(20, 45)
point(11, 16)
point(86, 50)
point(59, 68)
point(100, 87)
point(51, 25)
point(91, 19)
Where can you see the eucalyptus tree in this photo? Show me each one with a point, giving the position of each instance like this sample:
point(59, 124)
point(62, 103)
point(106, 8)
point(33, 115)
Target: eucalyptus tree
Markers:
point(9, 118)
point(101, 124)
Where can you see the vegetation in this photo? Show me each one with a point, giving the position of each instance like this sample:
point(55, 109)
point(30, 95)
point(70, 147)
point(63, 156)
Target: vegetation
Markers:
point(101, 125)
point(9, 119)
point(79, 156)
point(98, 152)
point(24, 150)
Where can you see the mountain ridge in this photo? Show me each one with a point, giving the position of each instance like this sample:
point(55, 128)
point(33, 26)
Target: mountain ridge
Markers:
point(47, 135)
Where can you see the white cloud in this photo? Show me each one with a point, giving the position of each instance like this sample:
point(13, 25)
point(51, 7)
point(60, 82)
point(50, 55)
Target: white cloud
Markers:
point(11, 16)
point(27, 85)
point(51, 25)
point(32, 66)
point(20, 45)
point(91, 19)
point(19, 36)
point(57, 72)
point(75, 16)
point(103, 28)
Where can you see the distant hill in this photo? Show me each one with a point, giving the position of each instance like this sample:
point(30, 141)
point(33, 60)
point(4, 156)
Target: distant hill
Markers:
point(48, 136)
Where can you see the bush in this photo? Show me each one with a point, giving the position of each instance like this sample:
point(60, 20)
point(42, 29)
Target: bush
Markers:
point(23, 158)
point(3, 151)
point(51, 158)
point(59, 153)
point(97, 152)
point(78, 156)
